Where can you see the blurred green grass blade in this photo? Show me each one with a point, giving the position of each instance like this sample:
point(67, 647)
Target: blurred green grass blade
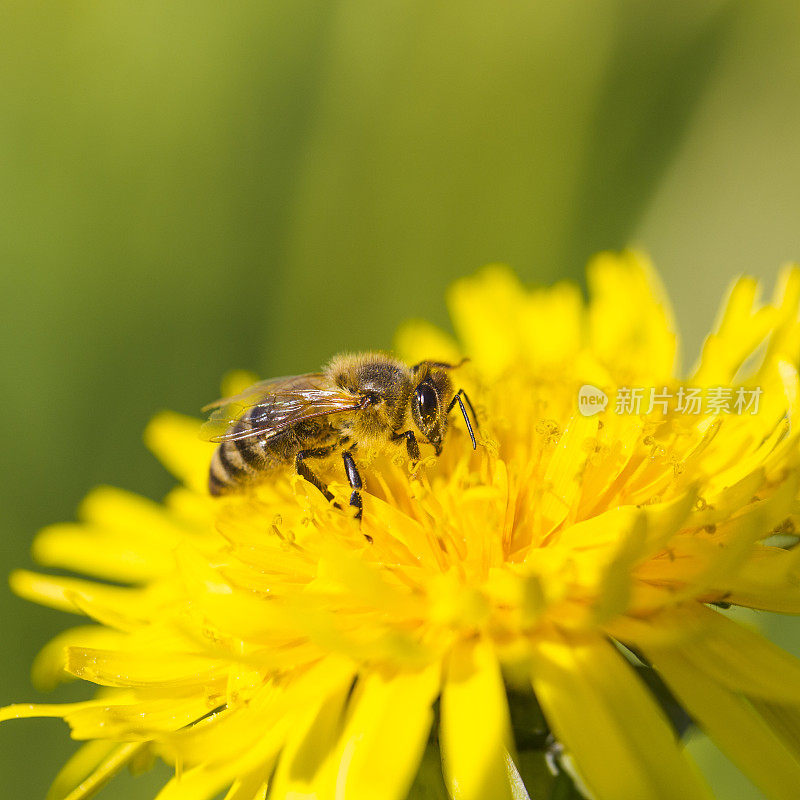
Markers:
point(728, 204)
point(663, 58)
point(448, 136)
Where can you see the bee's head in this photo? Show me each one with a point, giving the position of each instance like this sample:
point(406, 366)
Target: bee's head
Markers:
point(430, 401)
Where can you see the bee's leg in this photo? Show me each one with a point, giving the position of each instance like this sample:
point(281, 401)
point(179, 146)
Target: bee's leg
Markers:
point(304, 472)
point(411, 444)
point(457, 399)
point(355, 482)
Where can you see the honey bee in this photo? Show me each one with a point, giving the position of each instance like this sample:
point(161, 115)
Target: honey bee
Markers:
point(361, 403)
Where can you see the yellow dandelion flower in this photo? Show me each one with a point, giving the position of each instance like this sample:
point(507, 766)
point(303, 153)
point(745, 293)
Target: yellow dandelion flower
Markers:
point(266, 644)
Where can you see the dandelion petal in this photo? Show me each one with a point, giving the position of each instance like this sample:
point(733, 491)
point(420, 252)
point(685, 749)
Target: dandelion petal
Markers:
point(733, 723)
point(475, 732)
point(385, 737)
point(622, 743)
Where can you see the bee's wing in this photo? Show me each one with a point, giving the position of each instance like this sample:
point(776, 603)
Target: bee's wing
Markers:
point(271, 406)
point(252, 394)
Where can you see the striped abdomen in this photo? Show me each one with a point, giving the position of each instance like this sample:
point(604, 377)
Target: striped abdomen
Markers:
point(235, 463)
point(261, 450)
point(238, 461)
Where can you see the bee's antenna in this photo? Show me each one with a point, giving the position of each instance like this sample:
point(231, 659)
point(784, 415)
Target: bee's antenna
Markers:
point(441, 364)
point(457, 399)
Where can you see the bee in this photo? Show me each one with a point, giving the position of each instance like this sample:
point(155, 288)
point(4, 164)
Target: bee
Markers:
point(359, 404)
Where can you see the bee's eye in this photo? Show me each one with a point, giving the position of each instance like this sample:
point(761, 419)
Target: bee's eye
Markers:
point(428, 403)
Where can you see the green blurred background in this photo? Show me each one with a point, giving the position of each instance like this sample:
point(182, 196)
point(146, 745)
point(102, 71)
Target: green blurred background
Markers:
point(190, 187)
